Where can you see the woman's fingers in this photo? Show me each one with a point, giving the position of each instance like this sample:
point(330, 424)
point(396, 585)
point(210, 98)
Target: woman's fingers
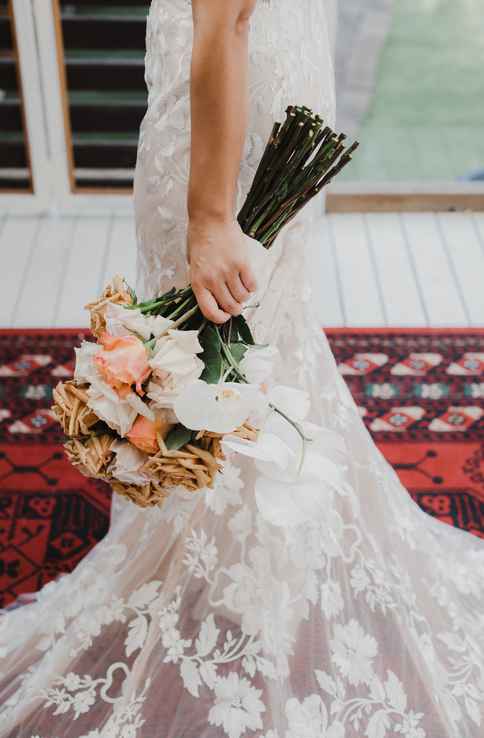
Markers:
point(225, 299)
point(222, 301)
point(208, 305)
point(248, 278)
point(237, 289)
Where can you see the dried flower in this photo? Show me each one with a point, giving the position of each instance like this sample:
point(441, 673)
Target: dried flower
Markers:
point(116, 292)
point(191, 467)
point(150, 494)
point(91, 454)
point(71, 409)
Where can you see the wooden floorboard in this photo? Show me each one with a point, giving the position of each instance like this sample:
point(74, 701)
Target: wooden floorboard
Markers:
point(361, 295)
point(17, 242)
point(121, 252)
point(84, 269)
point(40, 290)
point(414, 269)
point(401, 298)
point(436, 279)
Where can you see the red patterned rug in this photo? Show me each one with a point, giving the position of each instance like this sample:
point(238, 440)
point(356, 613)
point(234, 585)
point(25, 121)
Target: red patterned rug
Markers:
point(420, 393)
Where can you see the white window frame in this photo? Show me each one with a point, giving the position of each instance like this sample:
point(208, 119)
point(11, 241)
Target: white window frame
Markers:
point(33, 111)
point(41, 62)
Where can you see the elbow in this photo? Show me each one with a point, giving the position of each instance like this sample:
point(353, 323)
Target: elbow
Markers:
point(245, 12)
point(222, 15)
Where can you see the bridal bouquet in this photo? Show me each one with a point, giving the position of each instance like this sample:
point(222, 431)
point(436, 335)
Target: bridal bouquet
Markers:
point(163, 393)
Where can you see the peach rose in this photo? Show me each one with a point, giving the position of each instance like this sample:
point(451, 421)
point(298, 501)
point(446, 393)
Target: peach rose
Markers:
point(122, 362)
point(143, 432)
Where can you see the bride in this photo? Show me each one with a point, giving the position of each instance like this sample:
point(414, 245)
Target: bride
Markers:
point(209, 618)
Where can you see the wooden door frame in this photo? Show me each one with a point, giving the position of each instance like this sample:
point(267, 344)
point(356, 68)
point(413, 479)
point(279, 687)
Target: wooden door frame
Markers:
point(407, 197)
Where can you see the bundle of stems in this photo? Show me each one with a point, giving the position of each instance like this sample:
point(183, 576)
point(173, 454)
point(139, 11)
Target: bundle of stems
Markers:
point(301, 157)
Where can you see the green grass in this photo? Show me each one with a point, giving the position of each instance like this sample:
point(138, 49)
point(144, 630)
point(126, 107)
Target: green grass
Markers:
point(426, 121)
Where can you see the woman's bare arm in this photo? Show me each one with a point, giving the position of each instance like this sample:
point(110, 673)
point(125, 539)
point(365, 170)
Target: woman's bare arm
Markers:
point(219, 272)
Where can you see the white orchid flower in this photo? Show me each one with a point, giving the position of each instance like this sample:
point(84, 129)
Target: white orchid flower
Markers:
point(297, 476)
point(121, 320)
point(286, 492)
point(218, 408)
point(126, 466)
point(277, 452)
point(267, 448)
point(258, 363)
point(294, 403)
point(309, 498)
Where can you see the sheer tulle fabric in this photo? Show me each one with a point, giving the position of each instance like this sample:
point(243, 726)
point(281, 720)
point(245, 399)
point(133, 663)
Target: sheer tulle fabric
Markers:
point(204, 619)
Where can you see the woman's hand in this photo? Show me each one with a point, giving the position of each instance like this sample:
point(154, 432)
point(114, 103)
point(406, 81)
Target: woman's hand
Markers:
point(220, 275)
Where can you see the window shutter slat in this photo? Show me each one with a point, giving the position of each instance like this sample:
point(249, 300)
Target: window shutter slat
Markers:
point(14, 162)
point(104, 49)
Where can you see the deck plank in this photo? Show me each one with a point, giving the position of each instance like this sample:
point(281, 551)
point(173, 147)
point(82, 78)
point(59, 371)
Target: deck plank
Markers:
point(401, 297)
point(17, 241)
point(378, 269)
point(324, 277)
point(478, 223)
point(82, 280)
point(121, 254)
point(359, 285)
point(44, 274)
point(467, 257)
point(438, 287)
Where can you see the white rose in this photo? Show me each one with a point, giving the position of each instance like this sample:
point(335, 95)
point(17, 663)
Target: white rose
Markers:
point(85, 368)
point(121, 320)
point(175, 364)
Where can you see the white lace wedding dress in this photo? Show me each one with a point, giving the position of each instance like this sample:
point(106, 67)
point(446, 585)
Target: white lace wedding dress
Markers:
point(203, 619)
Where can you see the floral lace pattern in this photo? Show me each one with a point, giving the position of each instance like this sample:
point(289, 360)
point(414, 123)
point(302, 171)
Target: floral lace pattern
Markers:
point(203, 619)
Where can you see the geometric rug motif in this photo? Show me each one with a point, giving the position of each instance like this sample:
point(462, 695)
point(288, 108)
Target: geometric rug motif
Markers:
point(420, 393)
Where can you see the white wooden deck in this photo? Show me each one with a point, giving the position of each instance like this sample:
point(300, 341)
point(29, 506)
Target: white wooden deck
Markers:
point(371, 270)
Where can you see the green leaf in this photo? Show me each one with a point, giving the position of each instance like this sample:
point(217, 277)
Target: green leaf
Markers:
point(212, 354)
point(238, 351)
point(243, 331)
point(178, 436)
point(133, 294)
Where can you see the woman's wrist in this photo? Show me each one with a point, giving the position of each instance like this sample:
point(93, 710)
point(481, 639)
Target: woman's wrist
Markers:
point(204, 218)
point(210, 210)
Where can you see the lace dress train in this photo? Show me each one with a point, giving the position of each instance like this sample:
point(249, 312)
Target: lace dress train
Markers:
point(207, 618)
